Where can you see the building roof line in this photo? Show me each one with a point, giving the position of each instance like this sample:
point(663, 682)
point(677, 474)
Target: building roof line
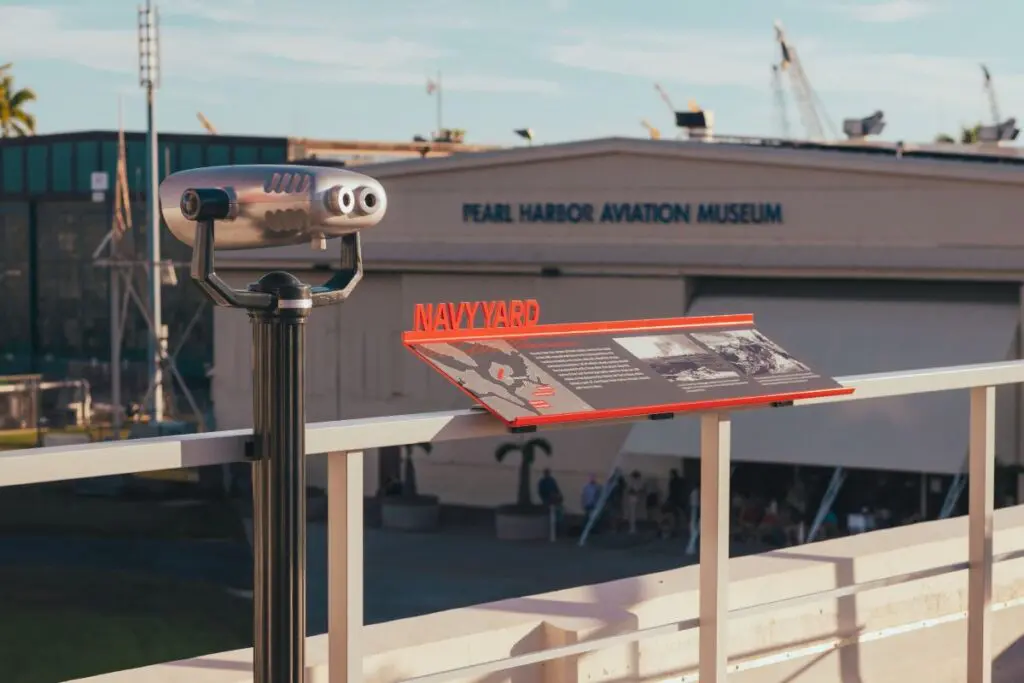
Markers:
point(846, 158)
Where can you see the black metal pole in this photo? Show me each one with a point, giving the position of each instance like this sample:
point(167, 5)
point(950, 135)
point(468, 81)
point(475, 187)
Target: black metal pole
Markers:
point(279, 480)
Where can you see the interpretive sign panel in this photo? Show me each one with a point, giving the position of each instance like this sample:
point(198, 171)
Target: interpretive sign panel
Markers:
point(531, 374)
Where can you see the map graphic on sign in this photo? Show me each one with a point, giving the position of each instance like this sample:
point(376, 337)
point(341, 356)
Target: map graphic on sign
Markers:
point(496, 372)
point(541, 374)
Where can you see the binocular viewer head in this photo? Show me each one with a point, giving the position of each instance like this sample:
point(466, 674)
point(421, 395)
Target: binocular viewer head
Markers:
point(271, 205)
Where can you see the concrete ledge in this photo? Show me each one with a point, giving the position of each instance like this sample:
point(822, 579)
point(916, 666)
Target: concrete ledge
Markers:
point(411, 647)
point(515, 525)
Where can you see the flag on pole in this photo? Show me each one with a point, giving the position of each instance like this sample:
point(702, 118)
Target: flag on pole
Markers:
point(432, 86)
point(122, 197)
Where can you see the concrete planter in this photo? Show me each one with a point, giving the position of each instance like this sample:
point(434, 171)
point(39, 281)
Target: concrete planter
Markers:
point(401, 513)
point(522, 524)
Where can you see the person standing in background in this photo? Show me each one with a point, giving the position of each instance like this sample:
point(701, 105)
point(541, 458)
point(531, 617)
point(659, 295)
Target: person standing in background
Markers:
point(550, 494)
point(634, 495)
point(591, 494)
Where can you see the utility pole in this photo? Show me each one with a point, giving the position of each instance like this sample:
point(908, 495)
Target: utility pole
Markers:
point(149, 79)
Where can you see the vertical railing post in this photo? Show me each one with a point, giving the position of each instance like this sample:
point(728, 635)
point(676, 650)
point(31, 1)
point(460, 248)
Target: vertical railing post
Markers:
point(981, 480)
point(714, 545)
point(345, 566)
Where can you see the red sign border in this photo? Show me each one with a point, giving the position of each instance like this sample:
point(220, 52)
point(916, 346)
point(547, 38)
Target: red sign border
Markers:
point(411, 339)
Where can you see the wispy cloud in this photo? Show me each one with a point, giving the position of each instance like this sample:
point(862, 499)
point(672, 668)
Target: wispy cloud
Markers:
point(742, 60)
point(289, 47)
point(693, 57)
point(334, 16)
point(886, 11)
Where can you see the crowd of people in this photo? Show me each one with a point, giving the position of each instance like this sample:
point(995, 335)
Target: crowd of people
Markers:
point(635, 503)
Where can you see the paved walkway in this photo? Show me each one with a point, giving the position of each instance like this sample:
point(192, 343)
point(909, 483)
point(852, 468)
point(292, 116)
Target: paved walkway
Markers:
point(406, 574)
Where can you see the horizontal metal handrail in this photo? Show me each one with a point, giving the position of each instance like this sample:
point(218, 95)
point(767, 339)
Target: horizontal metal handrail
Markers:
point(592, 645)
point(61, 463)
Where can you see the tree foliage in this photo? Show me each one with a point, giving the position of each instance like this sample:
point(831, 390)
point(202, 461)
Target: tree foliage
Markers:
point(15, 120)
point(968, 136)
point(528, 451)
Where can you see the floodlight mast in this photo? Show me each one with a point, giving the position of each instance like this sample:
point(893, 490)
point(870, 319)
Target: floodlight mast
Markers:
point(250, 214)
point(149, 79)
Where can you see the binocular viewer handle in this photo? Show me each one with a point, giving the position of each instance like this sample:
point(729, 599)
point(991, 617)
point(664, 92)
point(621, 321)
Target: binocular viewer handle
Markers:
point(204, 274)
point(348, 275)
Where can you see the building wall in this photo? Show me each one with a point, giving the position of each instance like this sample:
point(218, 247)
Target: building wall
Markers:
point(58, 306)
point(15, 297)
point(833, 217)
point(358, 368)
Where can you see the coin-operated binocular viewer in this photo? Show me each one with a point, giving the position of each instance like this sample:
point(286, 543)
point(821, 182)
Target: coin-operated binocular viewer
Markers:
point(248, 207)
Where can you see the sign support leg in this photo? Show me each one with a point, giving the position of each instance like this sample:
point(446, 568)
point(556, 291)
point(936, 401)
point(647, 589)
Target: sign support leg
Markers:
point(714, 547)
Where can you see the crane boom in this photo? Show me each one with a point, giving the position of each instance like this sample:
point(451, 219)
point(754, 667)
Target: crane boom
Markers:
point(780, 101)
point(205, 123)
point(806, 100)
point(653, 132)
point(990, 90)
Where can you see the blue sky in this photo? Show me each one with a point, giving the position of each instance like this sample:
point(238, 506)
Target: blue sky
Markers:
point(570, 69)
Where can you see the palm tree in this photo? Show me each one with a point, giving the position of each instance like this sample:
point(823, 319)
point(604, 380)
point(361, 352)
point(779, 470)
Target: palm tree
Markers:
point(968, 135)
point(527, 453)
point(14, 120)
point(409, 468)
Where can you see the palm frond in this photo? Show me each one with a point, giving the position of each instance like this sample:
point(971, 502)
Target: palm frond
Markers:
point(26, 120)
point(21, 97)
point(504, 449)
point(540, 444)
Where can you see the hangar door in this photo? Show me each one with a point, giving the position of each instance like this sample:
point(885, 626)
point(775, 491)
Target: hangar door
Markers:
point(850, 328)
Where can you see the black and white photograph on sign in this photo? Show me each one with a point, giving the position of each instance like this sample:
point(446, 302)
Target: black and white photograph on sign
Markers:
point(752, 352)
point(503, 378)
point(677, 358)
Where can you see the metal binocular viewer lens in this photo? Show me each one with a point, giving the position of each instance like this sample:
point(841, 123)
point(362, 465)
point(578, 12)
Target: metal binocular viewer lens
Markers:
point(271, 206)
point(250, 207)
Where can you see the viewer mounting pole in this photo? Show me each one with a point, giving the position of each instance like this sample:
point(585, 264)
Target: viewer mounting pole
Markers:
point(227, 207)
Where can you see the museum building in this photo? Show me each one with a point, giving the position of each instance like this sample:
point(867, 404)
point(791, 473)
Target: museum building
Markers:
point(854, 259)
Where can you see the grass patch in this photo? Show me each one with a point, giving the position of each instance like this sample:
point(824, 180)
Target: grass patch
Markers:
point(66, 624)
point(13, 439)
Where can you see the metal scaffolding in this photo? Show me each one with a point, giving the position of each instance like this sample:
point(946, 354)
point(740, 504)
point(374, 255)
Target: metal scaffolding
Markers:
point(123, 291)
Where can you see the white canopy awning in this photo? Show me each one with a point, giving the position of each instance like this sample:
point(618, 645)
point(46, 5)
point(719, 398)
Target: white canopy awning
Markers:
point(924, 433)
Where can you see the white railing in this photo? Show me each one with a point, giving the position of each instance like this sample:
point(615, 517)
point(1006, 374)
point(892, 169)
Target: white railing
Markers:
point(345, 441)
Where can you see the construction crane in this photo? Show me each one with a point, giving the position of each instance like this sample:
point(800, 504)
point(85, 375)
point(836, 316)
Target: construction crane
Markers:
point(780, 101)
point(990, 90)
point(812, 112)
point(666, 99)
point(653, 132)
point(998, 131)
point(205, 122)
point(691, 105)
